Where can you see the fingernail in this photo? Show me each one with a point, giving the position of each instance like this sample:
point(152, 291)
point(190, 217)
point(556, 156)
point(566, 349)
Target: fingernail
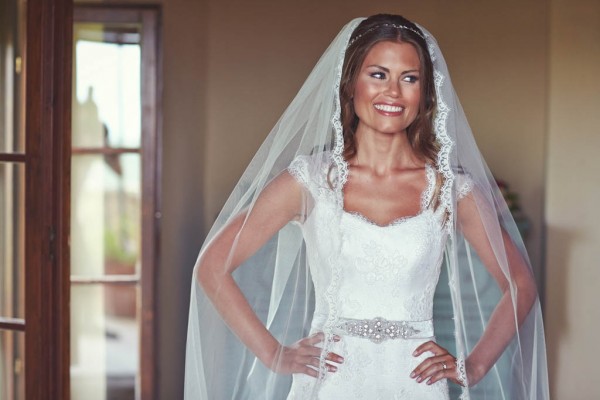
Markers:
point(332, 368)
point(337, 338)
point(429, 382)
point(414, 353)
point(419, 379)
point(413, 374)
point(341, 359)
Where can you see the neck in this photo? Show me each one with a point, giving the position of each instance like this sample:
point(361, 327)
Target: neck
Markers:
point(382, 153)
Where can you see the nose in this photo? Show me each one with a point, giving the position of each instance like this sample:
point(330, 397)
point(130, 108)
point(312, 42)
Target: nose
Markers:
point(393, 89)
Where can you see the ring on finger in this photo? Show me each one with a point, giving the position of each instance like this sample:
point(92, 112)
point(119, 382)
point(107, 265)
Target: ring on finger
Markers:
point(444, 366)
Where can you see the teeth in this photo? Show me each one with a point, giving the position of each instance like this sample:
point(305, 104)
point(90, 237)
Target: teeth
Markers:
point(388, 108)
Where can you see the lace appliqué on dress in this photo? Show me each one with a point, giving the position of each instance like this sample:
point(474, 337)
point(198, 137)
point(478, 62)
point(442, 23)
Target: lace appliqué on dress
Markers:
point(419, 306)
point(379, 265)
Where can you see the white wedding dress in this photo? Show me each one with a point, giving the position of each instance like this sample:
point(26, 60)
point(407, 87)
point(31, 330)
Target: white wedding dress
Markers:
point(389, 272)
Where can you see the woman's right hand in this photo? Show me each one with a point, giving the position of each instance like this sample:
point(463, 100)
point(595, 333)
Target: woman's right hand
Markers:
point(303, 357)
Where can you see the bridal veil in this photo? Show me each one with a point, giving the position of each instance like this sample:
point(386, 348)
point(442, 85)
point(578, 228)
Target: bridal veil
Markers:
point(484, 264)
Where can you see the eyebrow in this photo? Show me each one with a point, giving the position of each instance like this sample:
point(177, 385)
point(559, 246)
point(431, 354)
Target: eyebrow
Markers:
point(384, 69)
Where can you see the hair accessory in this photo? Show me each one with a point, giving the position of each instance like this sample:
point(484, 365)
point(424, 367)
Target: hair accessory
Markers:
point(397, 26)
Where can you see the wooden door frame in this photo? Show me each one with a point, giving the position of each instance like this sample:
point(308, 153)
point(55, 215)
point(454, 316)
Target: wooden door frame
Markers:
point(47, 198)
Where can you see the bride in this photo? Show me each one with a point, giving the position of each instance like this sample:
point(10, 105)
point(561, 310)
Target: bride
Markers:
point(325, 259)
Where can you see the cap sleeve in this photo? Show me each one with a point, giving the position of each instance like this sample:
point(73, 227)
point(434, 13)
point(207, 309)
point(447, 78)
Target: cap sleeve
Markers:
point(298, 168)
point(464, 185)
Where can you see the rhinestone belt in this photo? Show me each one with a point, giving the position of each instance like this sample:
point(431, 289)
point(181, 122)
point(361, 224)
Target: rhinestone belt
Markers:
point(379, 329)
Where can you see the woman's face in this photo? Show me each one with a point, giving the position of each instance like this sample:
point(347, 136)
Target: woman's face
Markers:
point(388, 88)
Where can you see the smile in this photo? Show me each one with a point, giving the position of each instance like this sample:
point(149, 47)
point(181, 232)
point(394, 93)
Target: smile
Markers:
point(388, 108)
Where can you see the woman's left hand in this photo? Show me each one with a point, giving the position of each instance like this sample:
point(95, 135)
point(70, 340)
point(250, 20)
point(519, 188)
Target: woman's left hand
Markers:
point(442, 365)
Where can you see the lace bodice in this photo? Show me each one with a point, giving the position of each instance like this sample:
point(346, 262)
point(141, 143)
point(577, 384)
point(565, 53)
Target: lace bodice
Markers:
point(388, 271)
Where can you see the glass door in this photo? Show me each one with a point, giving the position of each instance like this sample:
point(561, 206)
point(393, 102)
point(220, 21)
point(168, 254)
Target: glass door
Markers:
point(114, 211)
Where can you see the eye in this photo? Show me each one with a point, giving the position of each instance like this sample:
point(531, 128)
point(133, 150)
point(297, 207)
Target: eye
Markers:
point(411, 79)
point(377, 75)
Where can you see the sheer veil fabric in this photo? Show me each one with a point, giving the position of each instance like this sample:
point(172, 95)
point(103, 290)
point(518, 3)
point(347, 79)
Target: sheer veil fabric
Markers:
point(482, 245)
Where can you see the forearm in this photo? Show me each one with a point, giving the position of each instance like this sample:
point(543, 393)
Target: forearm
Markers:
point(500, 330)
point(237, 313)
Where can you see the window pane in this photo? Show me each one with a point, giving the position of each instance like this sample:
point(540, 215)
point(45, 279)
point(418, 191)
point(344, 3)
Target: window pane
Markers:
point(12, 21)
point(106, 110)
point(105, 214)
point(104, 342)
point(12, 234)
point(12, 371)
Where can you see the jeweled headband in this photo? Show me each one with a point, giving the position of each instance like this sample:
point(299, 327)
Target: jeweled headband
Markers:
point(397, 26)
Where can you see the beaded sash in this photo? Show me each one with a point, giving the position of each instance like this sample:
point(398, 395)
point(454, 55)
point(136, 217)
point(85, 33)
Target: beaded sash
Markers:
point(379, 329)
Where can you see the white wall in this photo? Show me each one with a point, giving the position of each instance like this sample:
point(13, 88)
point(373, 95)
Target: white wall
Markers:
point(573, 200)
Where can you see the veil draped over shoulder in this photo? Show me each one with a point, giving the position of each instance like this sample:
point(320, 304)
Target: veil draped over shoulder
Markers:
point(483, 245)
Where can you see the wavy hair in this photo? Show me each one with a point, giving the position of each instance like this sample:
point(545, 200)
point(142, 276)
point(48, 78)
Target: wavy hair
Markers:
point(394, 28)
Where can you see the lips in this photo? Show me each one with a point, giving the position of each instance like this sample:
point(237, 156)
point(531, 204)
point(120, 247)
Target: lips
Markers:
point(389, 109)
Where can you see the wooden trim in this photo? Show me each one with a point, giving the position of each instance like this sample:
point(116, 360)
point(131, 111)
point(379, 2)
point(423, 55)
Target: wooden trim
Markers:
point(47, 198)
point(106, 279)
point(13, 157)
point(103, 13)
point(12, 324)
point(150, 197)
point(109, 151)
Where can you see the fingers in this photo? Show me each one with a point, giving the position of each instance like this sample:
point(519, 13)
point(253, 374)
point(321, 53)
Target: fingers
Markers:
point(315, 360)
point(314, 338)
point(433, 365)
point(318, 337)
point(443, 374)
point(305, 356)
point(304, 369)
point(335, 358)
point(310, 366)
point(309, 371)
point(442, 365)
point(313, 351)
point(430, 346)
point(307, 347)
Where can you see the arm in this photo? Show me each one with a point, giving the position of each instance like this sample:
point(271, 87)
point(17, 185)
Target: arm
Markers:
point(281, 201)
point(503, 323)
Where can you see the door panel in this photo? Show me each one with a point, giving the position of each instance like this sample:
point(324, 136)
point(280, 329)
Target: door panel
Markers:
point(114, 208)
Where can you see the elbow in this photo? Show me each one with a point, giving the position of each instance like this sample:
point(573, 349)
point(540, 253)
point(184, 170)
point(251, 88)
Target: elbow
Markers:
point(205, 275)
point(531, 293)
point(527, 294)
point(201, 275)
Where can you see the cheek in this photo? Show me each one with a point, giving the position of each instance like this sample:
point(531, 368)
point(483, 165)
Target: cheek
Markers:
point(360, 100)
point(414, 96)
point(415, 100)
point(361, 94)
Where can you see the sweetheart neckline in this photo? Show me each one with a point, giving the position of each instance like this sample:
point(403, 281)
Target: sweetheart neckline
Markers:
point(424, 199)
point(395, 222)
